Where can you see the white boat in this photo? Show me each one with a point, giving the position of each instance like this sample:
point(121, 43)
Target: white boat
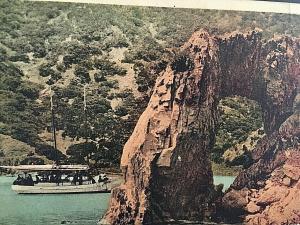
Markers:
point(65, 189)
point(58, 179)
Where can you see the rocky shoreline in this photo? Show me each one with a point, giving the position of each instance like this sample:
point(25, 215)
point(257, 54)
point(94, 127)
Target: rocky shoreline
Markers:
point(276, 201)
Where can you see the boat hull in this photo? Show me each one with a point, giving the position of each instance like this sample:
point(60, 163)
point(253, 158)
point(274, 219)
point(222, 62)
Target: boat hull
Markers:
point(86, 188)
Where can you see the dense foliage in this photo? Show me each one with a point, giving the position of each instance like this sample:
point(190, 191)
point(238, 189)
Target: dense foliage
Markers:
point(239, 117)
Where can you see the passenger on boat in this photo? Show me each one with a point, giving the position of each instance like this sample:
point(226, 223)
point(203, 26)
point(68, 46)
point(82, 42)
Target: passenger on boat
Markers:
point(29, 180)
point(58, 179)
point(45, 178)
point(52, 178)
point(19, 180)
point(80, 180)
point(102, 178)
point(75, 179)
point(37, 179)
point(68, 179)
point(91, 179)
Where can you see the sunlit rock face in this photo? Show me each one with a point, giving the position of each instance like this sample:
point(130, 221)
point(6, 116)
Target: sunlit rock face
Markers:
point(278, 201)
point(165, 162)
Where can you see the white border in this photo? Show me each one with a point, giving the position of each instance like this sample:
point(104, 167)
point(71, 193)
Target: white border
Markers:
point(237, 5)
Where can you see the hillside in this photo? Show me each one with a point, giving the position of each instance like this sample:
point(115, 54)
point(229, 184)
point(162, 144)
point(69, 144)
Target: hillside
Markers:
point(118, 51)
point(14, 152)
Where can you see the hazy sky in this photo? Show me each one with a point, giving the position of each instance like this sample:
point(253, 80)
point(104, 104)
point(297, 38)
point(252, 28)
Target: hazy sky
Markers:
point(243, 5)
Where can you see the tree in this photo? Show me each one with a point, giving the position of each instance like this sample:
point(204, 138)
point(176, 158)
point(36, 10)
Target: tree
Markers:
point(81, 153)
point(99, 77)
point(49, 151)
point(29, 90)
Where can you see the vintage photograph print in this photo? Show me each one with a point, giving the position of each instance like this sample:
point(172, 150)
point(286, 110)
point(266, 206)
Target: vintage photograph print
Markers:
point(142, 115)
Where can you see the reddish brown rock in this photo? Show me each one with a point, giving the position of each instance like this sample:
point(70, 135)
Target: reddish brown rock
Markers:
point(256, 220)
point(278, 199)
point(286, 181)
point(279, 203)
point(238, 199)
point(170, 140)
point(165, 162)
point(273, 194)
point(253, 208)
point(273, 155)
point(292, 171)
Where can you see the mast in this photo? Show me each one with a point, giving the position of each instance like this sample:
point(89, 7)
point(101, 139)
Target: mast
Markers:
point(85, 112)
point(85, 120)
point(53, 119)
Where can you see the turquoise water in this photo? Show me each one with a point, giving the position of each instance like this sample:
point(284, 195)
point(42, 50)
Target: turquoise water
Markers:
point(75, 209)
point(226, 180)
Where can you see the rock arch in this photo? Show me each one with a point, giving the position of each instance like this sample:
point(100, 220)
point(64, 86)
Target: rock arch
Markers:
point(165, 162)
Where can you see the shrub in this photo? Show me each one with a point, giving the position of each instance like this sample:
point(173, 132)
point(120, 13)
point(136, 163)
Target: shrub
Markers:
point(217, 157)
point(32, 160)
point(124, 94)
point(261, 132)
point(108, 68)
point(83, 74)
point(241, 117)
point(81, 150)
point(99, 77)
point(9, 83)
point(39, 51)
point(20, 57)
point(121, 111)
point(103, 91)
point(61, 67)
point(49, 151)
point(110, 84)
point(45, 70)
point(29, 91)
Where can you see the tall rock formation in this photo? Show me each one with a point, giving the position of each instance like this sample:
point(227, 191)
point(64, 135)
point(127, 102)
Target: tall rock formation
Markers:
point(165, 162)
point(266, 192)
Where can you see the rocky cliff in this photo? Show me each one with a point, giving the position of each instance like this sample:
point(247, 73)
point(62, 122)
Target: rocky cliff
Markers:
point(165, 162)
point(266, 192)
point(278, 201)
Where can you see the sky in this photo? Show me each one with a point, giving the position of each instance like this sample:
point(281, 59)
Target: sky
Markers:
point(240, 5)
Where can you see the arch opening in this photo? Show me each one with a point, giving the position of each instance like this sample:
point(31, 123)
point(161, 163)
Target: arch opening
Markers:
point(240, 127)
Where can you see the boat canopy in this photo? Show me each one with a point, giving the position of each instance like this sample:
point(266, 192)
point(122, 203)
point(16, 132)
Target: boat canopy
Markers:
point(36, 168)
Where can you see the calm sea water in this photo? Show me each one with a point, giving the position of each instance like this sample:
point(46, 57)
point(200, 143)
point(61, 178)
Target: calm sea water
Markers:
point(75, 209)
point(226, 180)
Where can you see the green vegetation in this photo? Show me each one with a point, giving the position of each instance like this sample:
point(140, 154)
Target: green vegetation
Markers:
point(220, 169)
point(68, 45)
point(18, 105)
point(239, 117)
point(107, 67)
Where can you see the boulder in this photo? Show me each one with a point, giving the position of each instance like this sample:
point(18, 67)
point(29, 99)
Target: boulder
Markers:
point(253, 208)
point(286, 181)
point(277, 204)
